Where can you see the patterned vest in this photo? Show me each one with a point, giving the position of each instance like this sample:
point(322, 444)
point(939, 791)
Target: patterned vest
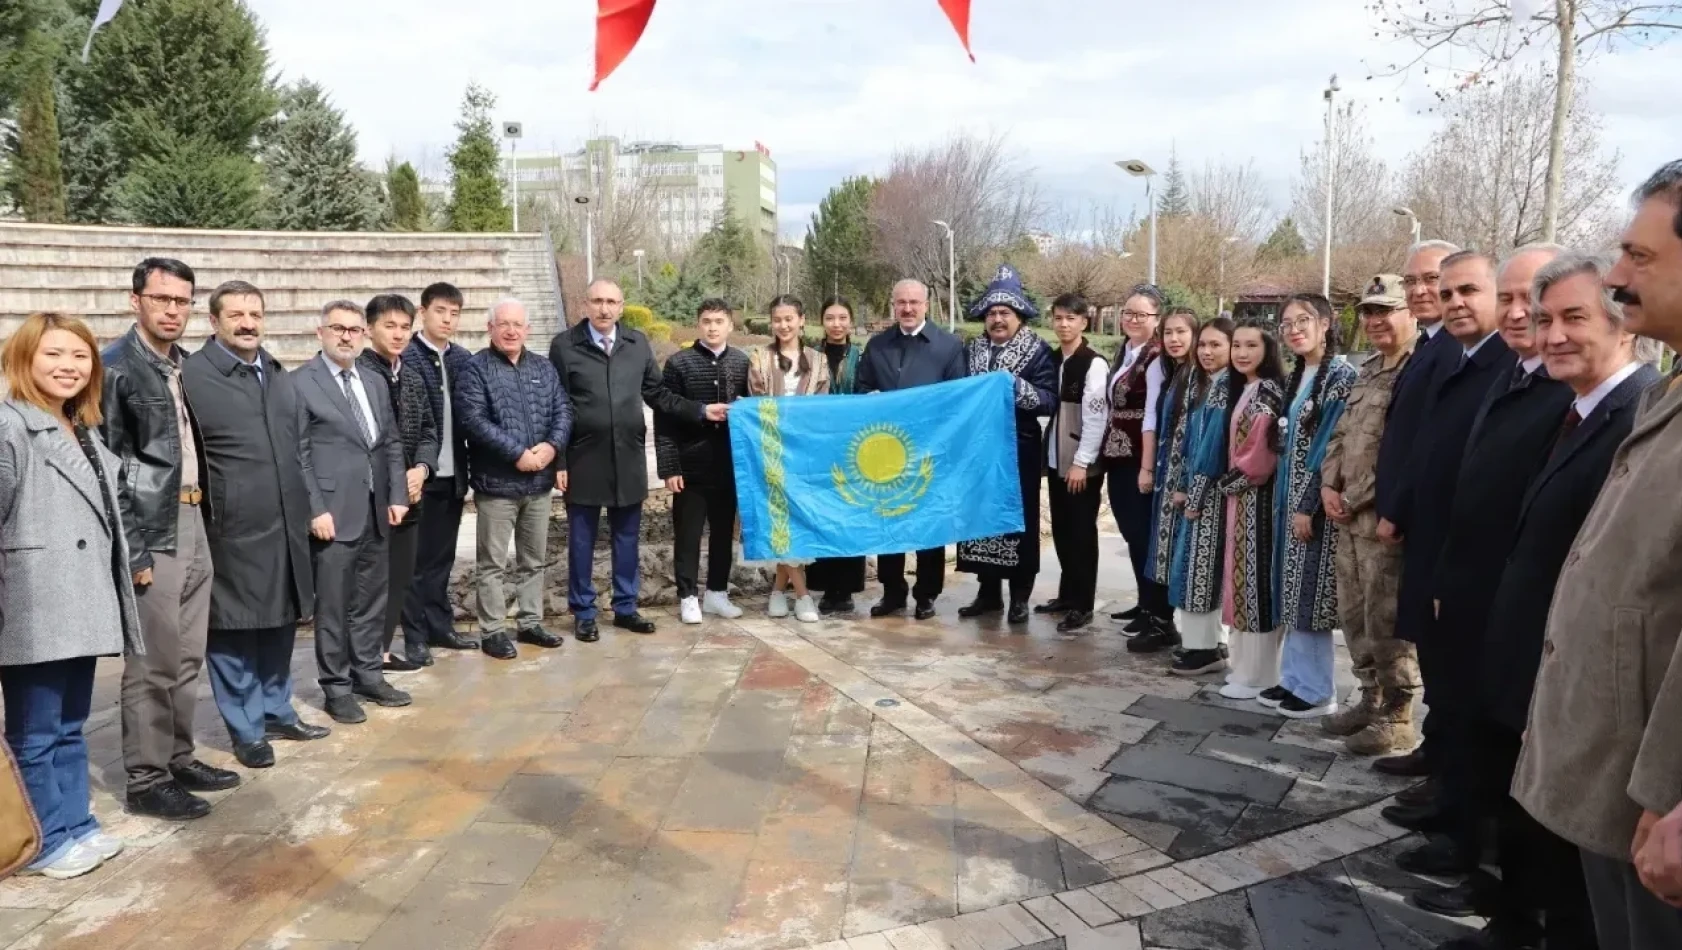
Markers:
point(1127, 406)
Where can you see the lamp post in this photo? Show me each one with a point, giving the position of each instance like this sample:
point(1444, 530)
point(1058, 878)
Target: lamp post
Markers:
point(1412, 218)
point(951, 277)
point(1332, 89)
point(638, 255)
point(1138, 169)
point(589, 240)
point(512, 131)
point(1220, 290)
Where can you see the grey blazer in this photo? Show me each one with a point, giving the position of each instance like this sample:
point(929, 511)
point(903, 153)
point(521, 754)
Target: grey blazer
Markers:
point(62, 594)
point(343, 472)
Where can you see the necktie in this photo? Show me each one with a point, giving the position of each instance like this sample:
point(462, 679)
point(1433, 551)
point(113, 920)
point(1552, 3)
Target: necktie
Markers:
point(607, 345)
point(1520, 377)
point(356, 408)
point(1572, 420)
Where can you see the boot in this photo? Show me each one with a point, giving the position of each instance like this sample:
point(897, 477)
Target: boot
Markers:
point(1391, 729)
point(1357, 716)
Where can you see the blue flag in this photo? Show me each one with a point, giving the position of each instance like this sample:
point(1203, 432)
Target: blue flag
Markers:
point(840, 476)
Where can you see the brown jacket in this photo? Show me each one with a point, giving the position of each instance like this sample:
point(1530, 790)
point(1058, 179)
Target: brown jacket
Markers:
point(1605, 733)
point(1351, 464)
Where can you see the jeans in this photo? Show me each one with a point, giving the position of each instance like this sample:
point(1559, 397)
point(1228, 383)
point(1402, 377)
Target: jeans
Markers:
point(1306, 668)
point(525, 522)
point(46, 705)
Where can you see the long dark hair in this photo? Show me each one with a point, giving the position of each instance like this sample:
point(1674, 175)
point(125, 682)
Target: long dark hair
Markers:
point(1177, 376)
point(1271, 367)
point(783, 361)
point(1201, 377)
point(1321, 309)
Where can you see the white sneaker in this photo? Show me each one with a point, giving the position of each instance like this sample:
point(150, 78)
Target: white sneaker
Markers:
point(717, 603)
point(805, 610)
point(1235, 691)
point(779, 604)
point(689, 610)
point(103, 845)
point(76, 862)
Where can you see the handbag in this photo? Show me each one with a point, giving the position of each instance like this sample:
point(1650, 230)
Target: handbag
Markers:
point(20, 832)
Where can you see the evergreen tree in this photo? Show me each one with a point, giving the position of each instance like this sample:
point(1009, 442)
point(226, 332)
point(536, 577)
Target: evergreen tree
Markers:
point(1175, 199)
point(1284, 243)
point(840, 255)
point(728, 259)
point(192, 182)
point(408, 209)
point(35, 181)
point(673, 293)
point(315, 181)
point(476, 202)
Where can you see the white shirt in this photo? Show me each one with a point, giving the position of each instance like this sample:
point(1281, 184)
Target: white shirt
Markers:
point(446, 426)
point(1094, 414)
point(1432, 330)
point(1587, 404)
point(1531, 365)
point(612, 338)
point(358, 391)
point(1154, 378)
point(1472, 350)
point(919, 329)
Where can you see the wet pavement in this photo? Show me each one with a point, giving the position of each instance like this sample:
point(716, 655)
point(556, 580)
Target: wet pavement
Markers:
point(856, 784)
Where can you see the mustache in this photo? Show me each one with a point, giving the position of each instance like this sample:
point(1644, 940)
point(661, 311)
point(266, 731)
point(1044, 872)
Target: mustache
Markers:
point(1625, 296)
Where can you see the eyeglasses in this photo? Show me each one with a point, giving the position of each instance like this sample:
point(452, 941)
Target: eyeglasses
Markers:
point(1410, 282)
point(166, 301)
point(1298, 323)
point(1137, 316)
point(349, 333)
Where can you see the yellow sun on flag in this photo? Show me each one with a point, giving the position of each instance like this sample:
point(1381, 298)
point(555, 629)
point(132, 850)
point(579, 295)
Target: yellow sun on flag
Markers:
point(882, 471)
point(880, 457)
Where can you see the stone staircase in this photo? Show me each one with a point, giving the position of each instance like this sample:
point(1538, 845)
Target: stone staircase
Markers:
point(86, 271)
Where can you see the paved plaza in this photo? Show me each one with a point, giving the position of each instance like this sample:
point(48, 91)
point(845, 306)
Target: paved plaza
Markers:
point(852, 785)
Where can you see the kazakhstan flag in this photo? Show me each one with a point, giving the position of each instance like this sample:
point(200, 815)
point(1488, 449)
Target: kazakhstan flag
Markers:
point(840, 476)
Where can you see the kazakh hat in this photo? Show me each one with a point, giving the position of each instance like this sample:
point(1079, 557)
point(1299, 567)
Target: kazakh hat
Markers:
point(1006, 289)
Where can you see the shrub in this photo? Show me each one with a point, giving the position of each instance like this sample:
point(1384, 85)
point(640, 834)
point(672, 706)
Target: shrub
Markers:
point(758, 326)
point(638, 317)
point(659, 331)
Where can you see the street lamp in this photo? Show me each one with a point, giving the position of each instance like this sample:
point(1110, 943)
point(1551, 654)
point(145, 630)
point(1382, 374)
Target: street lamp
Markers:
point(638, 255)
point(951, 277)
point(1220, 290)
point(1414, 218)
point(1332, 89)
point(1138, 169)
point(589, 240)
point(512, 131)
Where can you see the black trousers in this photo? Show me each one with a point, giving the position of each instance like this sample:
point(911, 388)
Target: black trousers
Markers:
point(427, 613)
point(352, 581)
point(712, 507)
point(1132, 509)
point(405, 545)
point(1074, 535)
point(931, 576)
point(836, 577)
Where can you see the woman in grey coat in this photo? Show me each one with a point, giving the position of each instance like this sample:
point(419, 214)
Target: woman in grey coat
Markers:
point(66, 596)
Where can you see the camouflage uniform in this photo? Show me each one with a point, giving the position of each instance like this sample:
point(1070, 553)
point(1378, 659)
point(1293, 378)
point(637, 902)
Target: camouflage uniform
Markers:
point(1368, 570)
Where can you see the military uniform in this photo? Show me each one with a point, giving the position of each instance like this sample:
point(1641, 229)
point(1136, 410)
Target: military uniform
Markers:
point(1368, 570)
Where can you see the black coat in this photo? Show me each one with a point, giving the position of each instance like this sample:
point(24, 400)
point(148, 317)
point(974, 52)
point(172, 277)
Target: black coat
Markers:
point(1408, 397)
point(506, 409)
point(258, 510)
point(416, 424)
point(432, 370)
point(607, 456)
point(693, 447)
point(1552, 508)
point(1454, 397)
point(893, 360)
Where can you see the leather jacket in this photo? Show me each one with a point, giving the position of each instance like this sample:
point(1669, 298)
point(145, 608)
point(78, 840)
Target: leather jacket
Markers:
point(140, 427)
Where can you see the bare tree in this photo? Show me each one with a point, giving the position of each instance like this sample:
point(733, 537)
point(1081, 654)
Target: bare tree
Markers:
point(1483, 179)
point(1362, 191)
point(625, 200)
point(1499, 33)
point(1233, 198)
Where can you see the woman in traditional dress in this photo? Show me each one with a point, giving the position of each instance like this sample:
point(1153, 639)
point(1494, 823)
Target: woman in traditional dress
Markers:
point(1194, 576)
point(1010, 346)
point(838, 578)
point(1129, 455)
point(787, 367)
point(1305, 563)
point(1243, 485)
point(1173, 412)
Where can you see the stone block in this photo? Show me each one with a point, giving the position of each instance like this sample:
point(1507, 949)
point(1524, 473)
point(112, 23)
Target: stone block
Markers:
point(1184, 716)
point(1222, 922)
point(1167, 804)
point(1280, 759)
point(1198, 773)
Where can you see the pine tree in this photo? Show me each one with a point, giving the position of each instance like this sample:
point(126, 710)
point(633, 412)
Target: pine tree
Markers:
point(839, 249)
point(1175, 200)
point(728, 259)
point(36, 178)
point(476, 202)
point(315, 181)
point(408, 208)
point(1284, 243)
point(192, 182)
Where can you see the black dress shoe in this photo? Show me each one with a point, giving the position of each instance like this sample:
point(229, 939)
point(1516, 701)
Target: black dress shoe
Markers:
point(454, 641)
point(1018, 612)
point(1438, 858)
point(1052, 606)
point(1153, 640)
point(497, 646)
point(1457, 901)
point(634, 622)
point(421, 657)
point(979, 607)
point(924, 611)
point(384, 694)
point(1422, 818)
point(1425, 793)
point(196, 776)
point(296, 731)
point(1074, 620)
point(257, 755)
point(887, 608)
point(345, 709)
point(1140, 624)
point(838, 605)
point(539, 637)
point(1411, 765)
point(169, 801)
point(585, 631)
point(399, 664)
point(1128, 614)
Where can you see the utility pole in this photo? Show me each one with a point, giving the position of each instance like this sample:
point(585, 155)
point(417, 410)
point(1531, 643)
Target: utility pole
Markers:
point(589, 240)
point(951, 278)
point(1332, 90)
point(512, 131)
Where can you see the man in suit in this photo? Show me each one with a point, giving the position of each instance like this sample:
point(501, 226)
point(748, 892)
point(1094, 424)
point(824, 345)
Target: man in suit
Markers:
point(911, 353)
point(349, 447)
point(1602, 757)
point(261, 582)
point(1514, 430)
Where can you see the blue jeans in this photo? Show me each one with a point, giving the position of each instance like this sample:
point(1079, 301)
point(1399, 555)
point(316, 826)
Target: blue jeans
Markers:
point(46, 706)
point(624, 528)
point(1306, 667)
point(251, 679)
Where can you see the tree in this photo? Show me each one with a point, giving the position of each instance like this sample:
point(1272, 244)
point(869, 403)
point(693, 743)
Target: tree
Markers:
point(476, 202)
point(315, 181)
point(1283, 244)
point(1499, 33)
point(1362, 191)
point(1233, 197)
point(1483, 179)
point(36, 179)
point(192, 182)
point(728, 260)
point(1175, 200)
point(408, 209)
point(840, 252)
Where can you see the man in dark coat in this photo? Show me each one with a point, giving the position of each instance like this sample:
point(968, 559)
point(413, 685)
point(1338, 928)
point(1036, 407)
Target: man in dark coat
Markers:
point(610, 373)
point(912, 353)
point(258, 525)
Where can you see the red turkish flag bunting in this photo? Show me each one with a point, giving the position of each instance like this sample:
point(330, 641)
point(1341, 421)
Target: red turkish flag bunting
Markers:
point(619, 24)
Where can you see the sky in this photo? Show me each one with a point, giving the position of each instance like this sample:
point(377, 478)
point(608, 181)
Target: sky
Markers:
point(834, 87)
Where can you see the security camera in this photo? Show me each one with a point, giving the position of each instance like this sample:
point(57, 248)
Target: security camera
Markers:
point(511, 130)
